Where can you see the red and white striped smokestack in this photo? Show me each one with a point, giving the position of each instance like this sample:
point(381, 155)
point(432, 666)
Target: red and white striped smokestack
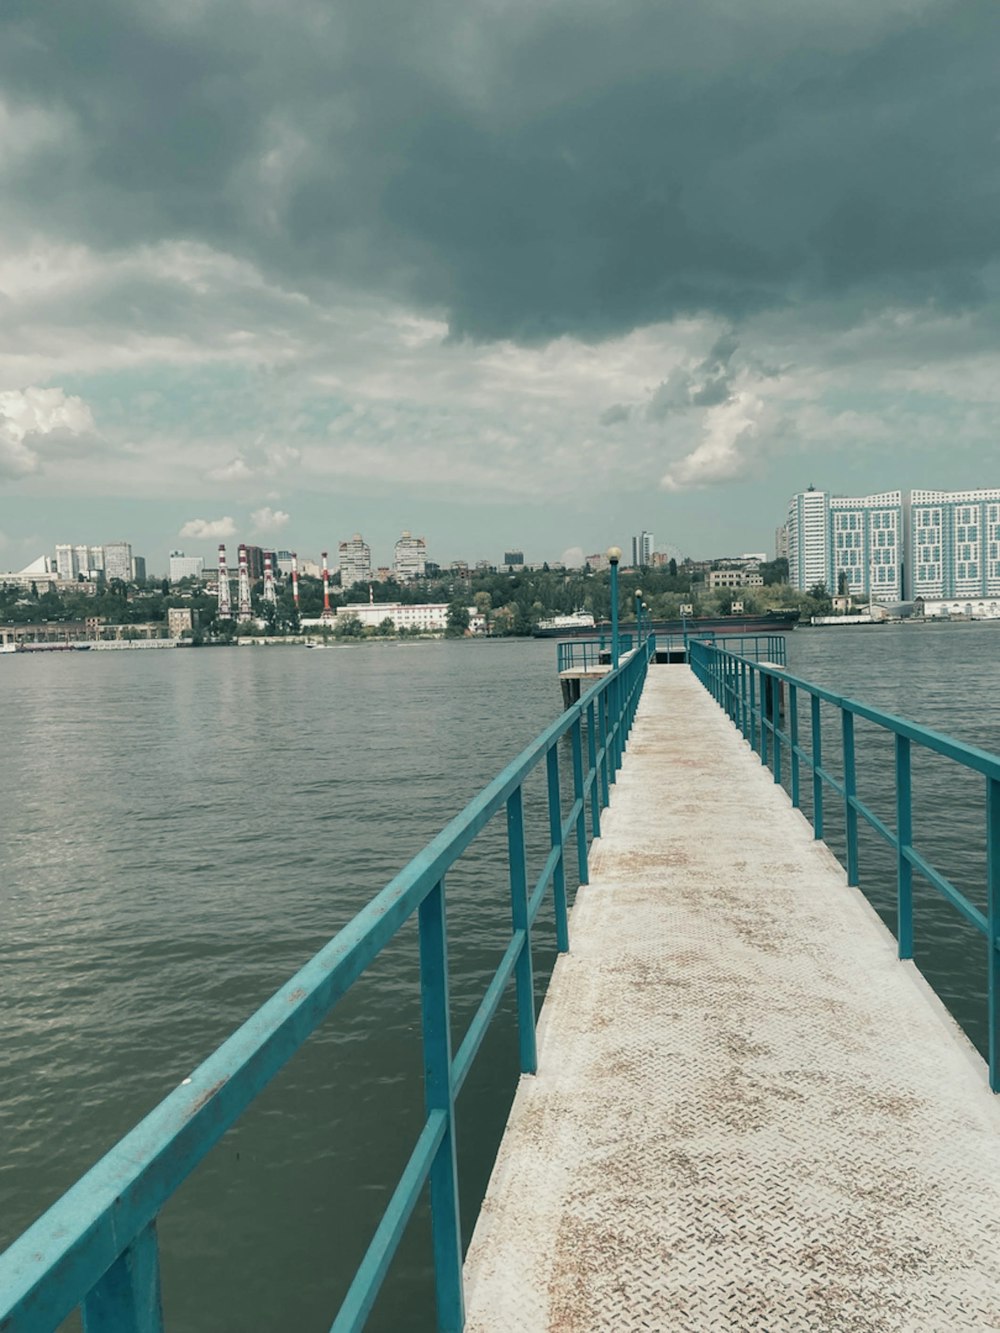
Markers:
point(244, 583)
point(225, 606)
point(268, 578)
point(326, 589)
point(295, 580)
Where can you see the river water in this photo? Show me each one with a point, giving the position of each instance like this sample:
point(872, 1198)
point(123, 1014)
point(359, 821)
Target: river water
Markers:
point(183, 829)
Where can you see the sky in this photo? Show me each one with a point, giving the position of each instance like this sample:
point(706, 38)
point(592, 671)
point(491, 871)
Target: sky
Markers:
point(529, 274)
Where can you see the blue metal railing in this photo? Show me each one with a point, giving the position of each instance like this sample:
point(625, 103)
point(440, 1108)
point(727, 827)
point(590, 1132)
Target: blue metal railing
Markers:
point(754, 697)
point(97, 1249)
point(581, 654)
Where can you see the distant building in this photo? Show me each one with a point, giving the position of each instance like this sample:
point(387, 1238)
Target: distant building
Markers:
point(642, 549)
point(185, 566)
point(181, 620)
point(118, 561)
point(428, 616)
point(409, 558)
point(513, 559)
point(852, 541)
point(73, 560)
point(597, 561)
point(138, 569)
point(355, 561)
point(734, 578)
point(954, 544)
point(255, 563)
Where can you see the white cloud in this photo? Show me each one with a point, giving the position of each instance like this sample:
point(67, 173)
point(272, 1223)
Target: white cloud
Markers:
point(237, 469)
point(725, 452)
point(209, 528)
point(269, 520)
point(573, 558)
point(27, 416)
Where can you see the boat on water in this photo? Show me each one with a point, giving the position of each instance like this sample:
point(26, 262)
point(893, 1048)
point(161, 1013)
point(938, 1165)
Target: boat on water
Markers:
point(768, 622)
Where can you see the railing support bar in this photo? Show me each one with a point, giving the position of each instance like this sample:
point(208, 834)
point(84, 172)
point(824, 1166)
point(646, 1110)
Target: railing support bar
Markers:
point(556, 841)
point(581, 819)
point(438, 1096)
point(523, 973)
point(850, 792)
point(904, 842)
point(817, 768)
point(127, 1299)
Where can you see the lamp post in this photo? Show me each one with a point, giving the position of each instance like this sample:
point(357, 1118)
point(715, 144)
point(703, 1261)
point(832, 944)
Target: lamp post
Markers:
point(645, 607)
point(638, 617)
point(614, 555)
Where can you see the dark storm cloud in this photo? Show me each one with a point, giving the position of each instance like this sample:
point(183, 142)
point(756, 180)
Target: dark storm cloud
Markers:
point(530, 169)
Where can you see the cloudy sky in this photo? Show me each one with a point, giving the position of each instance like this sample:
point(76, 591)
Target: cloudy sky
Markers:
point(503, 272)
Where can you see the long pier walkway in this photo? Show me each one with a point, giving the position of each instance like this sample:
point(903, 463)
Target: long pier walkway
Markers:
point(748, 1114)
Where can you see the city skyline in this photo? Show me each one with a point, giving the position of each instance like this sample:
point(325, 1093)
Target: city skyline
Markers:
point(410, 271)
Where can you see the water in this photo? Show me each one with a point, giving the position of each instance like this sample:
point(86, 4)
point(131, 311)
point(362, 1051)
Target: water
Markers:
point(183, 829)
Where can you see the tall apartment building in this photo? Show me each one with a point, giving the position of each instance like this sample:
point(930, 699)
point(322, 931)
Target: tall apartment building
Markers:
point(808, 538)
point(73, 560)
point(954, 543)
point(355, 561)
point(642, 549)
point(859, 540)
point(118, 561)
point(409, 559)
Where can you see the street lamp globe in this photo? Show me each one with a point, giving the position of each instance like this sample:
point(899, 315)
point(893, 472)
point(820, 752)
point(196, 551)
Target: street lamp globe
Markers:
point(614, 554)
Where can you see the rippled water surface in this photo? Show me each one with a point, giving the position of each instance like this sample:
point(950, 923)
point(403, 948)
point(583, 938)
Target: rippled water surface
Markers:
point(182, 830)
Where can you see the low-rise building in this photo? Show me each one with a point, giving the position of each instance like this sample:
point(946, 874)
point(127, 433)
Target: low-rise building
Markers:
point(734, 578)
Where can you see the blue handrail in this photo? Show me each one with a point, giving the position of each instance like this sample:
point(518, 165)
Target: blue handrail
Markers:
point(753, 697)
point(582, 654)
point(96, 1248)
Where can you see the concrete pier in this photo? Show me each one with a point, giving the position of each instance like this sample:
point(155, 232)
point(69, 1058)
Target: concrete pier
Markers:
point(748, 1114)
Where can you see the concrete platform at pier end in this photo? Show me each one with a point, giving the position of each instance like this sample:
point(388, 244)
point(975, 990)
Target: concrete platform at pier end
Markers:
point(748, 1114)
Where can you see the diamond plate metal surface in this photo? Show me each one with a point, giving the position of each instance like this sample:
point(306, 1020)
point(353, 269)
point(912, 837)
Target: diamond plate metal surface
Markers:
point(748, 1114)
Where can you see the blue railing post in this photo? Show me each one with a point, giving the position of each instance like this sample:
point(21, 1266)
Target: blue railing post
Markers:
point(776, 720)
point(765, 708)
point(127, 1298)
point(817, 764)
point(614, 555)
point(594, 773)
point(904, 841)
point(556, 841)
point(793, 734)
point(576, 737)
point(523, 972)
point(850, 794)
point(606, 779)
point(993, 924)
point(445, 1222)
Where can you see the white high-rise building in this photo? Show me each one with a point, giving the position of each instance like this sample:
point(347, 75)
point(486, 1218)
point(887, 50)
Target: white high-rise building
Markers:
point(808, 528)
point(646, 543)
point(73, 560)
point(855, 541)
point(355, 561)
point(954, 543)
point(409, 559)
point(185, 566)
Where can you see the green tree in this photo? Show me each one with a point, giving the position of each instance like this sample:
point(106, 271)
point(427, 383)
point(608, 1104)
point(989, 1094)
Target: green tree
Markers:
point(458, 619)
